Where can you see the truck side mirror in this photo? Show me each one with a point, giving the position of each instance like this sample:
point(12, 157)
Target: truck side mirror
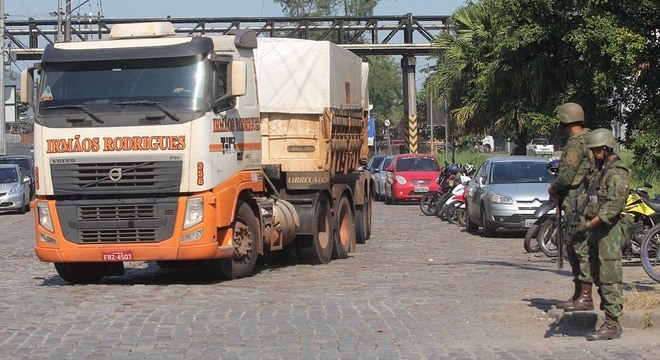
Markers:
point(237, 78)
point(27, 86)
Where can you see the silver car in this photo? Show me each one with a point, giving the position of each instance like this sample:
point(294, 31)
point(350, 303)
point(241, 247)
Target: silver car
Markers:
point(14, 189)
point(505, 192)
point(380, 176)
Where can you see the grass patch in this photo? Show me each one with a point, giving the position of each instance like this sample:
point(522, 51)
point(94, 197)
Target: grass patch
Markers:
point(462, 157)
point(638, 179)
point(641, 300)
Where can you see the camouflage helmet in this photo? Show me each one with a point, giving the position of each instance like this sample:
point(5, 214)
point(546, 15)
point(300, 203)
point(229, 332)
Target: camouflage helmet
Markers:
point(600, 137)
point(570, 113)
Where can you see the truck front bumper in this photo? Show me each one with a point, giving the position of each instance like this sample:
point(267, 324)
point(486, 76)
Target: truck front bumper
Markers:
point(213, 242)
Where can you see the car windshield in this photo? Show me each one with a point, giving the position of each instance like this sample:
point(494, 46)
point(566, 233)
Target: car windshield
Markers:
point(123, 88)
point(376, 162)
point(8, 176)
point(541, 142)
point(386, 162)
point(22, 163)
point(519, 172)
point(417, 164)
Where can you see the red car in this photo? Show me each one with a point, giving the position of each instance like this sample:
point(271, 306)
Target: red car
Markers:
point(410, 176)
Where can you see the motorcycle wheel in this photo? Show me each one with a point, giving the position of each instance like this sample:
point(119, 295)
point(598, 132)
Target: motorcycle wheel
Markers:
point(547, 238)
point(452, 212)
point(440, 205)
point(427, 204)
point(650, 253)
point(461, 215)
point(531, 243)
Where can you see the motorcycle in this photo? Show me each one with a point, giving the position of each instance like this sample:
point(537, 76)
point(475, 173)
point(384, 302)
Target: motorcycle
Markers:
point(544, 214)
point(456, 202)
point(644, 213)
point(429, 202)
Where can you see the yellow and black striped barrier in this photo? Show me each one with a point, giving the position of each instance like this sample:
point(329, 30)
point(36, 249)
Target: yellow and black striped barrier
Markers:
point(411, 139)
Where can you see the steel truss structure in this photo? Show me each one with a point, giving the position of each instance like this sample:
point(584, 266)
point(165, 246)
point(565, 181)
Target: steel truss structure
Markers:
point(404, 35)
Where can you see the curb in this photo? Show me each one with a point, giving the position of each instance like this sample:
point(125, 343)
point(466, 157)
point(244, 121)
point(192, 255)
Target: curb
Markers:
point(632, 319)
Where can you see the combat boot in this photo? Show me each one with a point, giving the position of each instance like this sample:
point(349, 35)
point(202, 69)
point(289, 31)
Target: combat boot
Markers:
point(611, 329)
point(576, 294)
point(584, 302)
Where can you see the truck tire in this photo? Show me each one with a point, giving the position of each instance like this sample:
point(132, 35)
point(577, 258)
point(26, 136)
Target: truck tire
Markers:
point(246, 245)
point(363, 221)
point(317, 248)
point(81, 273)
point(345, 232)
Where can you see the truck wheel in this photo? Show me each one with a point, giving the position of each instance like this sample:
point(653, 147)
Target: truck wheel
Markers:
point(81, 273)
point(363, 222)
point(246, 244)
point(317, 248)
point(345, 232)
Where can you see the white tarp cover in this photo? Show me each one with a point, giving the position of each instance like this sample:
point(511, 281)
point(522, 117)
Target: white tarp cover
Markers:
point(305, 77)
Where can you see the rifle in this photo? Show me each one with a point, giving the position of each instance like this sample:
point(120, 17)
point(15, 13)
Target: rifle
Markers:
point(560, 240)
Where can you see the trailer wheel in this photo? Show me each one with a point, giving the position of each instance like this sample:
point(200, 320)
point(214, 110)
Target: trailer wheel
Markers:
point(246, 245)
point(317, 248)
point(345, 232)
point(363, 222)
point(81, 273)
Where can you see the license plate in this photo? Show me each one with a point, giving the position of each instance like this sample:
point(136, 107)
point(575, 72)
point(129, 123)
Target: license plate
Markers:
point(529, 222)
point(117, 256)
point(422, 189)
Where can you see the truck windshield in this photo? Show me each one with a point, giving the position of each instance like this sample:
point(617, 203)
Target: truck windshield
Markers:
point(176, 88)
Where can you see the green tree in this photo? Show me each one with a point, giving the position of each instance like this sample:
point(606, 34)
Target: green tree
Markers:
point(310, 8)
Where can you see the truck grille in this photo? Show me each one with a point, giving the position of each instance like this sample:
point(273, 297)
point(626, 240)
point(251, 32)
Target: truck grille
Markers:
point(117, 236)
point(121, 212)
point(128, 177)
point(117, 221)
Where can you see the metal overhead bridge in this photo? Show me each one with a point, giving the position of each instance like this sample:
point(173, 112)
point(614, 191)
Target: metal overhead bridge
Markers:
point(405, 35)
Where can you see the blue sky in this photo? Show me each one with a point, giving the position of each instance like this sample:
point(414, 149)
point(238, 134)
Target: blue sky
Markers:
point(40, 9)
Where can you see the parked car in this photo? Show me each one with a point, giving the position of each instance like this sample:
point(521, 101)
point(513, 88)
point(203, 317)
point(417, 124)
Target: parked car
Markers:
point(26, 163)
point(505, 192)
point(14, 189)
point(380, 176)
point(410, 177)
point(540, 146)
point(374, 162)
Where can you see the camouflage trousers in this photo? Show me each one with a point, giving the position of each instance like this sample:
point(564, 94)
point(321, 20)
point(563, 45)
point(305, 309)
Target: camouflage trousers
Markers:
point(605, 243)
point(577, 249)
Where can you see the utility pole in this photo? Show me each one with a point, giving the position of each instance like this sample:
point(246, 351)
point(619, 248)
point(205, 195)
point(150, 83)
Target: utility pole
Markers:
point(3, 148)
point(59, 21)
point(67, 25)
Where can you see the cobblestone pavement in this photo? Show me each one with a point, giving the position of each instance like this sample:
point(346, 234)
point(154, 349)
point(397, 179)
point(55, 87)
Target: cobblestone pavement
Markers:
point(478, 298)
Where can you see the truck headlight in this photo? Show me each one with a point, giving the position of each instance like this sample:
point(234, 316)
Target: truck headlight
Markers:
point(501, 199)
point(16, 189)
point(44, 215)
point(194, 212)
point(401, 180)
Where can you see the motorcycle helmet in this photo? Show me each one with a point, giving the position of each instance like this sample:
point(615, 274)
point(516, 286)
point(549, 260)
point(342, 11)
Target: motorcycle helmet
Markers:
point(453, 169)
point(553, 166)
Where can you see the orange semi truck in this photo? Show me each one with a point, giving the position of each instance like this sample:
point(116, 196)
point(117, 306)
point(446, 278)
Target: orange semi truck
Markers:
point(216, 149)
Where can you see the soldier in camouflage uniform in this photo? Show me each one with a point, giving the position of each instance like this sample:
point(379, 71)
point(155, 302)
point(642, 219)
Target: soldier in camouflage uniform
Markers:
point(607, 193)
point(576, 163)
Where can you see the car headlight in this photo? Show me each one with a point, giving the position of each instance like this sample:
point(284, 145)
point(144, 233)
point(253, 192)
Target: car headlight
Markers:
point(401, 180)
point(194, 212)
point(501, 199)
point(15, 190)
point(44, 215)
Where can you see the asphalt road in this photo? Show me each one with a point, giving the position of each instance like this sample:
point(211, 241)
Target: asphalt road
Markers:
point(419, 288)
